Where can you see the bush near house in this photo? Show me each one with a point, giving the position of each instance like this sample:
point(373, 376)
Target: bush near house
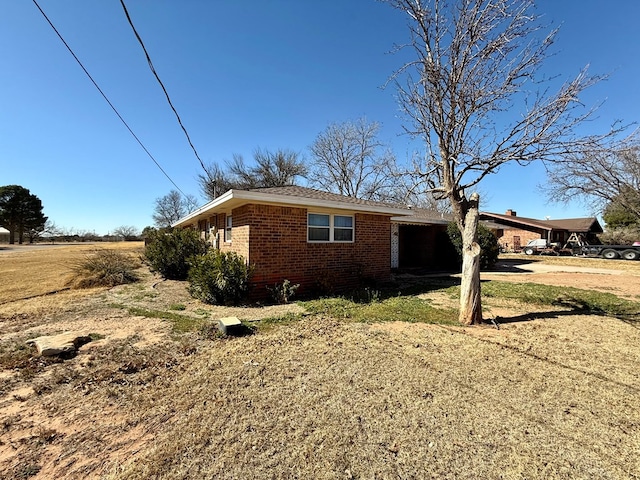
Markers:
point(487, 240)
point(169, 251)
point(219, 277)
point(283, 292)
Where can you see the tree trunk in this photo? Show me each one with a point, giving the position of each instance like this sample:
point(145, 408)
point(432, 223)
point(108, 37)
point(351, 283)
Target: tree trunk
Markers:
point(470, 303)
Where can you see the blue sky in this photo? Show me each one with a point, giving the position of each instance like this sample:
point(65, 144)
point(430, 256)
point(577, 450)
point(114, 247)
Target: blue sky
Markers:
point(242, 75)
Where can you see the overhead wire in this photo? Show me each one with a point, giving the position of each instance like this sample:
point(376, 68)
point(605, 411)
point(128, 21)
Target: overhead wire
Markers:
point(106, 98)
point(155, 73)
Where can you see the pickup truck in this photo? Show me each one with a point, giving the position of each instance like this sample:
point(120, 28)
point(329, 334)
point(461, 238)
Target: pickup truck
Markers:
point(541, 246)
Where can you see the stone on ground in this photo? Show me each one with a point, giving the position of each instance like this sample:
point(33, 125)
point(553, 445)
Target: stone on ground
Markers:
point(62, 344)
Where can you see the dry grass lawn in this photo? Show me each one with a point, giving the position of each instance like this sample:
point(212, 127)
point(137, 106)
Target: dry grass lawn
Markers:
point(311, 397)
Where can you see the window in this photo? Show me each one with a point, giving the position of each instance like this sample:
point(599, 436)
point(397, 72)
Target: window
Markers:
point(319, 228)
point(342, 228)
point(329, 228)
point(227, 230)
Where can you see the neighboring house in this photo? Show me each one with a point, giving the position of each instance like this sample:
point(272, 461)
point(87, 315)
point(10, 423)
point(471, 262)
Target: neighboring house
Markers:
point(515, 232)
point(4, 235)
point(314, 238)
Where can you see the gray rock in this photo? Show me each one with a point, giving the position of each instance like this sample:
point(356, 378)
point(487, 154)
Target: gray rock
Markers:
point(62, 344)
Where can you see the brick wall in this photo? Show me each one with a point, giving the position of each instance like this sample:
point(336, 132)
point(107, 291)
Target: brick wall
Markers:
point(507, 240)
point(274, 239)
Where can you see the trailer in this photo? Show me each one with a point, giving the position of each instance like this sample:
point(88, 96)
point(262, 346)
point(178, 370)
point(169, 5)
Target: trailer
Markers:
point(610, 252)
point(581, 248)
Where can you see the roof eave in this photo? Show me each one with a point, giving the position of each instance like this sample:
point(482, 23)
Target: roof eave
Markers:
point(241, 197)
point(419, 221)
point(520, 221)
point(189, 218)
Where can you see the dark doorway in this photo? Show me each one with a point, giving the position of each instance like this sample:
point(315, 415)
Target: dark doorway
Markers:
point(425, 247)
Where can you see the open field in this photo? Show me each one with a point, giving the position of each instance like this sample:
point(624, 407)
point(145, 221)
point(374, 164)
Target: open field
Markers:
point(553, 393)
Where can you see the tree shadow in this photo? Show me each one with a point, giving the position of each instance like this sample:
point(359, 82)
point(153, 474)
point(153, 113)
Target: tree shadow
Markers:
point(510, 265)
point(630, 319)
point(530, 316)
point(416, 284)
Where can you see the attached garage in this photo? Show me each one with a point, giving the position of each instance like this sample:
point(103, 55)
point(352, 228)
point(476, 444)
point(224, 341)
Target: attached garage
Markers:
point(421, 242)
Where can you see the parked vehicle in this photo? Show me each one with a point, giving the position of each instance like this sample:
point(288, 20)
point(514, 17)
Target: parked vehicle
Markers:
point(542, 247)
point(610, 252)
point(577, 246)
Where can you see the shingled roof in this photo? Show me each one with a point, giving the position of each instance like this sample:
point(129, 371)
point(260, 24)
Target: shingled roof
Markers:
point(312, 193)
point(292, 195)
point(577, 225)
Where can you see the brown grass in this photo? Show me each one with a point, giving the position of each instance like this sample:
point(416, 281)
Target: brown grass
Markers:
point(33, 270)
point(323, 399)
point(554, 397)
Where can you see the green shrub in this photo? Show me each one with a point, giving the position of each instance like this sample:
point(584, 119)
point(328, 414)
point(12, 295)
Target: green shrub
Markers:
point(220, 278)
point(488, 244)
point(104, 268)
point(168, 252)
point(283, 292)
point(365, 295)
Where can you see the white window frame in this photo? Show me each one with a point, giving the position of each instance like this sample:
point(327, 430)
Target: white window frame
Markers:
point(332, 228)
point(228, 228)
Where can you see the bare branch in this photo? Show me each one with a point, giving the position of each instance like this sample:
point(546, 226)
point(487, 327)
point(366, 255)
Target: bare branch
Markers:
point(600, 175)
point(270, 169)
point(349, 159)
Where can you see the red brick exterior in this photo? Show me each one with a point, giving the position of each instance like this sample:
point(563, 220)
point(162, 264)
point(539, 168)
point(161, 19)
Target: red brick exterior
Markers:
point(510, 237)
point(274, 240)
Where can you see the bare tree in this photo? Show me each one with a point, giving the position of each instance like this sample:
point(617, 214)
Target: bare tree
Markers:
point(51, 230)
point(214, 182)
point(190, 202)
point(172, 207)
point(407, 189)
point(474, 63)
point(126, 232)
point(349, 159)
point(600, 176)
point(270, 169)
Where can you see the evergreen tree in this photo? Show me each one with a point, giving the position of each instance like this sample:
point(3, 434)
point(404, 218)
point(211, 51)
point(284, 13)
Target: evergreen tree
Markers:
point(20, 212)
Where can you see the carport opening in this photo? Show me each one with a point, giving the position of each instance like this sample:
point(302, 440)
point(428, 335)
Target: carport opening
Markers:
point(425, 248)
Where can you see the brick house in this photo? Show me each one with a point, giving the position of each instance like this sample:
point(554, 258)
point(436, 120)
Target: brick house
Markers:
point(313, 238)
point(514, 232)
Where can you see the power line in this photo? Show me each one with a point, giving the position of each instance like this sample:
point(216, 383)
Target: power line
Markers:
point(166, 94)
point(105, 97)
